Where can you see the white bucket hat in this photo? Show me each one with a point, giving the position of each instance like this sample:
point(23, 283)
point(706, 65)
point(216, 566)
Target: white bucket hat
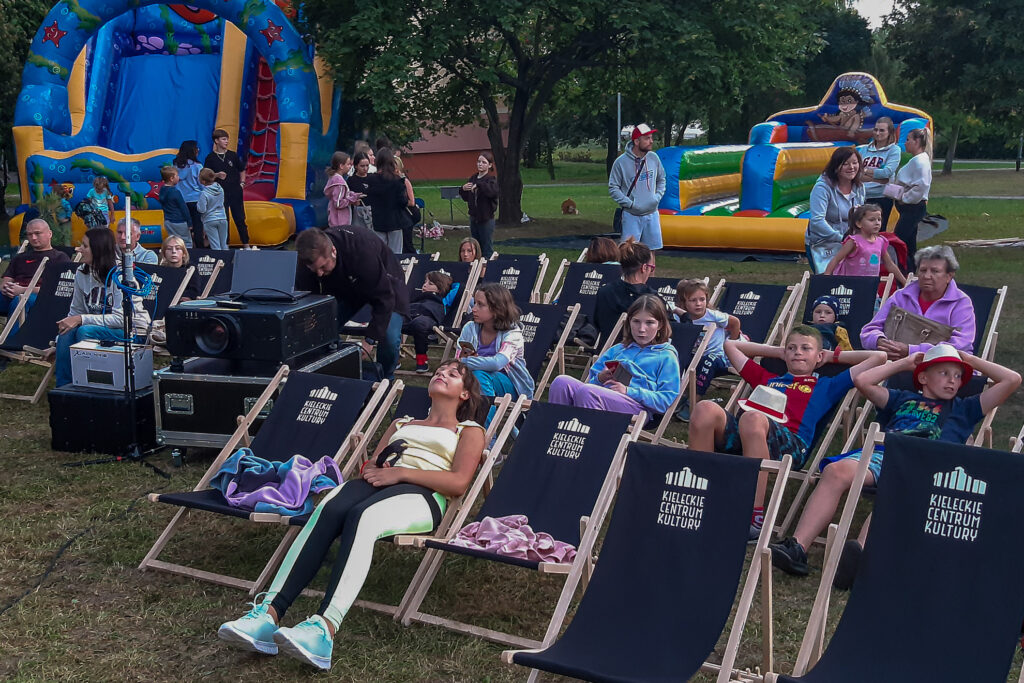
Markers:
point(769, 402)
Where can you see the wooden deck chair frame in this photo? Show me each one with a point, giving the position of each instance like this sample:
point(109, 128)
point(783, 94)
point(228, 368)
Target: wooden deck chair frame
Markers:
point(461, 305)
point(502, 406)
point(556, 282)
point(557, 356)
point(760, 570)
point(988, 351)
point(27, 355)
point(379, 401)
point(687, 385)
point(580, 569)
point(1017, 442)
point(212, 280)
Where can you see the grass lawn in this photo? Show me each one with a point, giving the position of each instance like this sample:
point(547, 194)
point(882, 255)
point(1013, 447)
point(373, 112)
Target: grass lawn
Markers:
point(94, 617)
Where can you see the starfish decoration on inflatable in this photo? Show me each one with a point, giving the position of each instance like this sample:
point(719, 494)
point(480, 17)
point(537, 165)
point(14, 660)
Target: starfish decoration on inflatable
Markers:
point(272, 32)
point(154, 190)
point(53, 34)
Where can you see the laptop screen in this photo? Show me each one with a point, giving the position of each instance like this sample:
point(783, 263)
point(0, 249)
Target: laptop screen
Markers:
point(264, 273)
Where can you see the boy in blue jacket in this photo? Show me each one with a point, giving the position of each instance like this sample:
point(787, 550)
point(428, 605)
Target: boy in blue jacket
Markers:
point(177, 218)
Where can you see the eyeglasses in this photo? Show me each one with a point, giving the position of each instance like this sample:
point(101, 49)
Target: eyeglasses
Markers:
point(648, 266)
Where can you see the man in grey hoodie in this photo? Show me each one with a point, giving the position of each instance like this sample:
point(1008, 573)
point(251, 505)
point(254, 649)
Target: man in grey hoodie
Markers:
point(639, 168)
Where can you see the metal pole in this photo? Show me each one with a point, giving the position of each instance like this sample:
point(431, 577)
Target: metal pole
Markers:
point(1020, 148)
point(618, 122)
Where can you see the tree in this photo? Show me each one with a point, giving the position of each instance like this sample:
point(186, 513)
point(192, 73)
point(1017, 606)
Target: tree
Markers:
point(21, 20)
point(959, 61)
point(454, 62)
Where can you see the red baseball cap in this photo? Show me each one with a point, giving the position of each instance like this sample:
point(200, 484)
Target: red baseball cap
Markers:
point(642, 129)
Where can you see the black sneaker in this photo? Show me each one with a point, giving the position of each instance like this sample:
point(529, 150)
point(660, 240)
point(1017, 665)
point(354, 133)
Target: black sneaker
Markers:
point(790, 557)
point(422, 368)
point(849, 561)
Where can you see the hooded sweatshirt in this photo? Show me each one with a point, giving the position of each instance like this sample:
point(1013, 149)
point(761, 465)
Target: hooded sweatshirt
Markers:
point(100, 305)
point(884, 161)
point(830, 212)
point(211, 203)
point(955, 308)
point(650, 186)
point(510, 358)
point(173, 203)
point(655, 370)
point(339, 200)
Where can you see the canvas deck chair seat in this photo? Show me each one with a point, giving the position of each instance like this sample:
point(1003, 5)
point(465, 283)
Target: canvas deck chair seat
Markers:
point(169, 285)
point(561, 471)
point(40, 326)
point(651, 612)
point(580, 284)
point(988, 307)
point(314, 416)
point(213, 270)
point(856, 296)
point(545, 337)
point(690, 342)
point(938, 594)
point(520, 275)
point(465, 275)
point(764, 311)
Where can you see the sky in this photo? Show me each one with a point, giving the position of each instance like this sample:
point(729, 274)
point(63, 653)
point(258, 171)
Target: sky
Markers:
point(873, 10)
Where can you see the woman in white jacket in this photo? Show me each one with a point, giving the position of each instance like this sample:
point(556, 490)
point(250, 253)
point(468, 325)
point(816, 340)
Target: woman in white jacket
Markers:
point(916, 179)
point(96, 311)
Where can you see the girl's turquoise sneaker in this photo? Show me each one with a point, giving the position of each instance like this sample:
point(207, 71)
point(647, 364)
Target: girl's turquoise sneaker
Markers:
point(308, 642)
point(253, 631)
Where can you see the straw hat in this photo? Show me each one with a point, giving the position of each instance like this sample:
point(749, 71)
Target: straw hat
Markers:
point(769, 402)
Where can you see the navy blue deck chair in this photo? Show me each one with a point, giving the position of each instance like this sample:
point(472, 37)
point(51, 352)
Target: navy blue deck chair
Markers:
point(26, 344)
point(666, 289)
point(651, 612)
point(938, 594)
point(169, 285)
point(988, 306)
point(545, 336)
point(518, 276)
point(464, 274)
point(207, 270)
point(561, 469)
point(582, 280)
point(314, 416)
point(756, 305)
point(856, 295)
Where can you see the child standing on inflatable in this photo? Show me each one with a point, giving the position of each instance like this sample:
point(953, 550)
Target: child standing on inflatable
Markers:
point(177, 219)
point(339, 197)
point(100, 196)
point(863, 251)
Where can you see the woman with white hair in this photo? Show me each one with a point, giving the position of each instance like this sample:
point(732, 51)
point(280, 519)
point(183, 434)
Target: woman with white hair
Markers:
point(935, 296)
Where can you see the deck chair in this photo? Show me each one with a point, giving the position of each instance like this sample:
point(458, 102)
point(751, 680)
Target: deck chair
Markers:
point(561, 473)
point(666, 289)
point(27, 344)
point(1017, 442)
point(856, 295)
point(764, 310)
point(465, 275)
point(298, 423)
point(545, 337)
point(651, 612)
point(169, 285)
point(213, 270)
point(988, 306)
point(16, 315)
point(520, 276)
point(690, 342)
point(938, 595)
point(580, 284)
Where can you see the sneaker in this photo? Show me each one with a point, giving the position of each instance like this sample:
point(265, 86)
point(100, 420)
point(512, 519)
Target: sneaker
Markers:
point(308, 642)
point(756, 524)
point(849, 561)
point(422, 368)
point(790, 557)
point(253, 631)
point(683, 414)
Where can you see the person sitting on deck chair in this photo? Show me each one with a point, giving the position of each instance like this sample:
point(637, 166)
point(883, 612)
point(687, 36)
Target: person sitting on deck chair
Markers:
point(405, 486)
point(808, 398)
point(932, 412)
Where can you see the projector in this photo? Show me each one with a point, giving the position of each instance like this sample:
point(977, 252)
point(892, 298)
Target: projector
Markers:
point(251, 330)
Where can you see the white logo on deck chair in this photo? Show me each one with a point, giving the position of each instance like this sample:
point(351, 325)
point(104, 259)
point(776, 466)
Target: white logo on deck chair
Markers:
point(529, 318)
point(841, 290)
point(569, 440)
point(747, 303)
point(591, 283)
point(530, 323)
point(205, 265)
point(66, 285)
point(679, 509)
point(318, 406)
point(952, 516)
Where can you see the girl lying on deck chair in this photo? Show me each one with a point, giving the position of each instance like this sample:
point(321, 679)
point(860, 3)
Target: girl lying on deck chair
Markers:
point(431, 460)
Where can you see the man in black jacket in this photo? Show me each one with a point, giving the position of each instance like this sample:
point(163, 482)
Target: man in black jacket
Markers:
point(358, 269)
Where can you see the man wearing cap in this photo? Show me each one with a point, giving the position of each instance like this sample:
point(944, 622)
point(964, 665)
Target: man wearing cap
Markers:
point(637, 184)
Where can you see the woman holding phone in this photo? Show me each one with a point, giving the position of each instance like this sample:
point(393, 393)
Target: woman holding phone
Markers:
point(492, 344)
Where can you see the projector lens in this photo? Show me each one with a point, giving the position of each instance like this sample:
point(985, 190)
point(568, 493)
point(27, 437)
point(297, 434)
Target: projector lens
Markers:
point(216, 335)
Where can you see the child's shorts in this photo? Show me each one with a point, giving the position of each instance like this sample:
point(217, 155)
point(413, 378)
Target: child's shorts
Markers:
point(874, 467)
point(780, 441)
point(709, 368)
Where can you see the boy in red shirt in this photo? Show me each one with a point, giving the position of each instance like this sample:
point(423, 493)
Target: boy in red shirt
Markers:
point(809, 398)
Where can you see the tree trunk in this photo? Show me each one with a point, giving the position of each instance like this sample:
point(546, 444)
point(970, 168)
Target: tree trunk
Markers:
point(532, 152)
point(947, 165)
point(551, 152)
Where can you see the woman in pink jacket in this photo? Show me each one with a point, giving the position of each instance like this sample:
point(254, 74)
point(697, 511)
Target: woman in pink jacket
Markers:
point(934, 295)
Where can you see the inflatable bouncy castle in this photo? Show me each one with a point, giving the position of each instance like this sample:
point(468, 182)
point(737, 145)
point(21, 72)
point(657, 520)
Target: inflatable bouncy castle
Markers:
point(755, 197)
point(113, 87)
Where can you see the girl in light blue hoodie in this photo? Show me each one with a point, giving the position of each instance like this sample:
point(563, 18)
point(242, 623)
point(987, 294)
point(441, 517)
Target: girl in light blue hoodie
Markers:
point(639, 375)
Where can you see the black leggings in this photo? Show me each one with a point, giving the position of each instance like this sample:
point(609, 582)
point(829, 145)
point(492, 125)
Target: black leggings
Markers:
point(420, 329)
point(906, 228)
point(233, 202)
point(357, 514)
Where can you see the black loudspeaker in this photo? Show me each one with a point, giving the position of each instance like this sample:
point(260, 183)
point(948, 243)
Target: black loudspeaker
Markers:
point(86, 420)
point(252, 330)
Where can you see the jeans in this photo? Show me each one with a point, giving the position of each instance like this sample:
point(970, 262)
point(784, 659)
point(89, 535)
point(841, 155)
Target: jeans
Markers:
point(646, 229)
point(388, 347)
point(217, 233)
point(80, 333)
point(483, 232)
point(180, 230)
point(7, 306)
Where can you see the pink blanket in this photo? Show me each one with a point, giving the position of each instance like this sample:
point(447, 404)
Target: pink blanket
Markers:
point(513, 537)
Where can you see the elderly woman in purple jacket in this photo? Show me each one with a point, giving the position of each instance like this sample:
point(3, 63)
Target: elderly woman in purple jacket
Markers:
point(934, 295)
